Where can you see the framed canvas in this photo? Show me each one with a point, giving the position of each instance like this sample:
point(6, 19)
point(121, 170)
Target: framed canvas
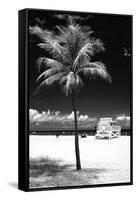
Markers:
point(75, 99)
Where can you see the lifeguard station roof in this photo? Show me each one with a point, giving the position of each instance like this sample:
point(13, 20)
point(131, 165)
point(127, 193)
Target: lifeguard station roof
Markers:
point(107, 119)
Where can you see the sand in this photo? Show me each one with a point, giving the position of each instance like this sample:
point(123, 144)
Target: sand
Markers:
point(110, 157)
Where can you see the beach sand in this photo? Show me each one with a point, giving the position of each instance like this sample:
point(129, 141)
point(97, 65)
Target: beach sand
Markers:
point(108, 160)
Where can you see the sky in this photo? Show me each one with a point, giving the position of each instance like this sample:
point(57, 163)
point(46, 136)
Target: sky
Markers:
point(97, 98)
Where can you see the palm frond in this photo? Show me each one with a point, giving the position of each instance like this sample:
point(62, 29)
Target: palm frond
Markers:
point(51, 71)
point(61, 29)
point(71, 20)
point(52, 47)
point(42, 34)
point(44, 63)
point(94, 69)
point(97, 45)
point(90, 64)
point(72, 39)
point(57, 51)
point(88, 51)
point(41, 63)
point(72, 50)
point(79, 82)
point(50, 81)
point(71, 82)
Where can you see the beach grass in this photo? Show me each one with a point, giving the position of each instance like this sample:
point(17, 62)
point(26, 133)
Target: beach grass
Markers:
point(46, 172)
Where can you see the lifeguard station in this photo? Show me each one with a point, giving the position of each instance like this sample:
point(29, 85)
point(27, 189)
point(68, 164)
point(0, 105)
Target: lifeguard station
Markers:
point(107, 128)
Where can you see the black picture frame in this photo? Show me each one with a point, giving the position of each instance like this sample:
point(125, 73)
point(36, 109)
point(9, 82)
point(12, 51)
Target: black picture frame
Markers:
point(23, 133)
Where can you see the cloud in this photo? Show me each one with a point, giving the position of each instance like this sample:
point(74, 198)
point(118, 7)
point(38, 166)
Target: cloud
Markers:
point(56, 116)
point(122, 117)
point(60, 16)
point(80, 117)
point(32, 112)
point(83, 117)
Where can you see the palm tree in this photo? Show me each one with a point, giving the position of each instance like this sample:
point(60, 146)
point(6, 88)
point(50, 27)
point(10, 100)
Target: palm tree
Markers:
point(72, 50)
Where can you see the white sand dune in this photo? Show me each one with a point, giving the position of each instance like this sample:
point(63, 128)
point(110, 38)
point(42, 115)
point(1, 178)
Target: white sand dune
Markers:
point(111, 155)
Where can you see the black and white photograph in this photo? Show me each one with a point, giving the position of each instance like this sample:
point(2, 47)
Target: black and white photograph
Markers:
point(79, 99)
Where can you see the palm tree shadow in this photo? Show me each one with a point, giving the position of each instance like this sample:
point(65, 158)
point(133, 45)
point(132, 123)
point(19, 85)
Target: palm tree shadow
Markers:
point(46, 166)
point(45, 172)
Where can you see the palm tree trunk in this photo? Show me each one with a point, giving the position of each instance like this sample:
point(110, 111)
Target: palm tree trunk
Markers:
point(78, 163)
